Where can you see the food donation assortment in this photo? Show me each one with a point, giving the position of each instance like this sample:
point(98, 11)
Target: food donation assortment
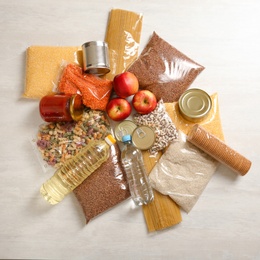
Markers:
point(120, 125)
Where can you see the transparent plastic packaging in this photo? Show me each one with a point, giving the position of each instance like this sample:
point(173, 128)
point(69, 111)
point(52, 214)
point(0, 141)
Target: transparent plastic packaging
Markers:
point(76, 170)
point(105, 188)
point(123, 37)
point(58, 141)
point(95, 90)
point(43, 66)
point(162, 125)
point(216, 148)
point(137, 178)
point(183, 172)
point(164, 70)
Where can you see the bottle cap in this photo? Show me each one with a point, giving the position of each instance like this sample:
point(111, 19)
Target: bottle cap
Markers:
point(110, 139)
point(95, 57)
point(126, 138)
point(126, 127)
point(76, 107)
point(194, 105)
point(143, 137)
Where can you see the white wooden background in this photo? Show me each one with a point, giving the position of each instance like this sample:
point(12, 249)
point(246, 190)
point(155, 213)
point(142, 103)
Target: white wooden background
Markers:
point(224, 36)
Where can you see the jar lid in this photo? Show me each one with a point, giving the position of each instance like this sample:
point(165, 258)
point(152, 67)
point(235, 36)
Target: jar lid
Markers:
point(194, 104)
point(95, 57)
point(126, 127)
point(76, 107)
point(143, 137)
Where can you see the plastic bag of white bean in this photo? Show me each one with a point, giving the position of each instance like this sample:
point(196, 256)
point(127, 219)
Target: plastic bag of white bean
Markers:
point(164, 129)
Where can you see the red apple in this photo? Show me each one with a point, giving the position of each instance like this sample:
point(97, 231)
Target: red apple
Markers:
point(118, 109)
point(125, 84)
point(144, 101)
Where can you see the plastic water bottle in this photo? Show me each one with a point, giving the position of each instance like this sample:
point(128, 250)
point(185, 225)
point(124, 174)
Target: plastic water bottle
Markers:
point(76, 170)
point(132, 161)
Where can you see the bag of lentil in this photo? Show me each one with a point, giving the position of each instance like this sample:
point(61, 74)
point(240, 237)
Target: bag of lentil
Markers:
point(95, 90)
point(164, 70)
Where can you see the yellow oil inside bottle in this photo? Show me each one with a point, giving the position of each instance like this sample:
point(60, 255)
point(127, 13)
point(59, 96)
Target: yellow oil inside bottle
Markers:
point(75, 171)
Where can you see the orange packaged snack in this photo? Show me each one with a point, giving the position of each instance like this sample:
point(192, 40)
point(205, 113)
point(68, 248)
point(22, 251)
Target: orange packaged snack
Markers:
point(95, 91)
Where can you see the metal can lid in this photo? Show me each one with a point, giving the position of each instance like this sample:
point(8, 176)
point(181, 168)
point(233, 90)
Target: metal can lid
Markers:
point(126, 127)
point(194, 104)
point(95, 57)
point(143, 137)
point(76, 107)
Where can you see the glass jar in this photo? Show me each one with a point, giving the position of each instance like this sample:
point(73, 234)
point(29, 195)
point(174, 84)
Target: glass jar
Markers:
point(61, 107)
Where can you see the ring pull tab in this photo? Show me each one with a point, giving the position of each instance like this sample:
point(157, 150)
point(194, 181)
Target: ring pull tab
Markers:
point(122, 132)
point(140, 133)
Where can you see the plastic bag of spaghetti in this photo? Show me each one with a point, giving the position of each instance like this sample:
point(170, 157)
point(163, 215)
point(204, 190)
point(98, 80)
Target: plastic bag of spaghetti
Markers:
point(123, 34)
point(183, 172)
point(164, 70)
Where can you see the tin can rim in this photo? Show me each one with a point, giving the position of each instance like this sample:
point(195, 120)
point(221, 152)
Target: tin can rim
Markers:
point(96, 43)
point(195, 104)
point(131, 127)
point(143, 142)
point(98, 69)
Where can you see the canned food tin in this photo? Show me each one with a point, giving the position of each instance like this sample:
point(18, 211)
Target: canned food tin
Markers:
point(194, 105)
point(126, 127)
point(143, 137)
point(95, 57)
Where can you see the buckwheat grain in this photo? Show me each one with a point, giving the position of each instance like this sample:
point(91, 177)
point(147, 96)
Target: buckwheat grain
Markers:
point(164, 70)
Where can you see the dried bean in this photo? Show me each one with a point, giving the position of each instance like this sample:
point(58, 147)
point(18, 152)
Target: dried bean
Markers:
point(162, 124)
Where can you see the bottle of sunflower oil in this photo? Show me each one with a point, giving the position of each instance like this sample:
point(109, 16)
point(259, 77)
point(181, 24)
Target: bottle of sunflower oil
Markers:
point(76, 170)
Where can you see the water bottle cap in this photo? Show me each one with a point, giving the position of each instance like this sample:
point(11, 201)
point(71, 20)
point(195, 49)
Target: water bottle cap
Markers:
point(126, 138)
point(110, 139)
